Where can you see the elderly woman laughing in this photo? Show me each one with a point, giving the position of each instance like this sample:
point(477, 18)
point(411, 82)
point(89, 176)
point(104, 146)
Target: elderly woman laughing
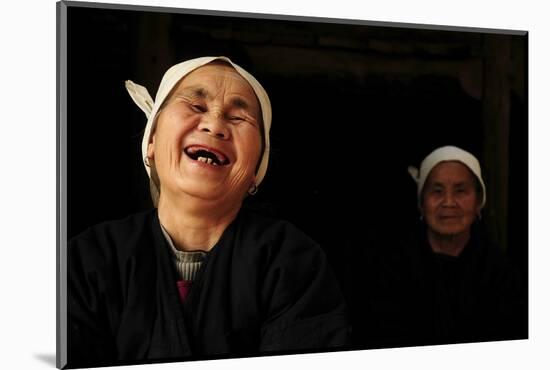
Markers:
point(199, 275)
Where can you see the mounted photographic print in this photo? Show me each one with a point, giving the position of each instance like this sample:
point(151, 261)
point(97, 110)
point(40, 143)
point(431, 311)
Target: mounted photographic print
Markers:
point(238, 185)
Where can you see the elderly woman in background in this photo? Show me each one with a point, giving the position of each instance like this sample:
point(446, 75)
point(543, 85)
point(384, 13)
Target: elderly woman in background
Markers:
point(198, 275)
point(451, 194)
point(445, 283)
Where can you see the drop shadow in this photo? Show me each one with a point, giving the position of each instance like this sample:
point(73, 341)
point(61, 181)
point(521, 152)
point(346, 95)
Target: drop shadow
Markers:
point(47, 358)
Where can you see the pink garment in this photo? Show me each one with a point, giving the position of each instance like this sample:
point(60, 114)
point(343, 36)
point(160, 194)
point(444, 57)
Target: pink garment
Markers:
point(184, 286)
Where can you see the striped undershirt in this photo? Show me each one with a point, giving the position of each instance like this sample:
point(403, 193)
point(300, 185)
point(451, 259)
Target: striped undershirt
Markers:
point(187, 263)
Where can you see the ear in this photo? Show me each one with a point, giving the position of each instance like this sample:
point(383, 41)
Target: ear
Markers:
point(478, 210)
point(151, 148)
point(253, 189)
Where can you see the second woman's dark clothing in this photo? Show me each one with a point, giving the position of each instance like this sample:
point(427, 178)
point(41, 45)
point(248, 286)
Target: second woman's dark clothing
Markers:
point(414, 296)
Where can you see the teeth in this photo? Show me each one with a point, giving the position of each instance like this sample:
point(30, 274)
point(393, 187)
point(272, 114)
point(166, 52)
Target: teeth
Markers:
point(194, 150)
point(207, 161)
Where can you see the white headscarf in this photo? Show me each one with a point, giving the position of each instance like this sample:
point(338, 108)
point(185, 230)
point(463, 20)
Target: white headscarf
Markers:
point(141, 97)
point(445, 154)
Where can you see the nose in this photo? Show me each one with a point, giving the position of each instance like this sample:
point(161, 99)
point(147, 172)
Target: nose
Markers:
point(449, 199)
point(215, 126)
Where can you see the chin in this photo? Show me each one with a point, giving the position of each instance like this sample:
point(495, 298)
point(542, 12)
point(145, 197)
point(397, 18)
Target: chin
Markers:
point(204, 192)
point(196, 189)
point(450, 231)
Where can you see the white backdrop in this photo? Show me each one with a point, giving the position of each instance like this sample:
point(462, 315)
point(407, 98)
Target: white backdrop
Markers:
point(27, 181)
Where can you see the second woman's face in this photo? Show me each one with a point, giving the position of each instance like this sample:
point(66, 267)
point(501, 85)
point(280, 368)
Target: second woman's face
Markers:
point(450, 203)
point(207, 140)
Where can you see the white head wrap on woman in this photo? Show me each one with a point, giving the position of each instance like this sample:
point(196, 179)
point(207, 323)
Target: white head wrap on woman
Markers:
point(445, 154)
point(141, 97)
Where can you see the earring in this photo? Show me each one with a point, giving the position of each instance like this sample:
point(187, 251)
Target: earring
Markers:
point(146, 161)
point(253, 189)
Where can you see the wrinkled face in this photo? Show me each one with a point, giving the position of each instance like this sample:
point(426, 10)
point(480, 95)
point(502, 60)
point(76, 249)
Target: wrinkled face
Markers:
point(207, 139)
point(450, 202)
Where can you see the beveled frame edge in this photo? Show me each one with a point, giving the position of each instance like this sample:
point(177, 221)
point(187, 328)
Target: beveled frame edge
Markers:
point(61, 185)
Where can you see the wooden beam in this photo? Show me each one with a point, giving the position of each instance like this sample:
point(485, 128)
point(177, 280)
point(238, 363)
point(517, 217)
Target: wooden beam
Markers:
point(496, 122)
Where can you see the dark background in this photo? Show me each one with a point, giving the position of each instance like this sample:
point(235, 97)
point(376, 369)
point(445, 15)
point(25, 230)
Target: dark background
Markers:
point(353, 106)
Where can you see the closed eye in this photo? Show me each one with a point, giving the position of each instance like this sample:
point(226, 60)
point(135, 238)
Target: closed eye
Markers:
point(197, 108)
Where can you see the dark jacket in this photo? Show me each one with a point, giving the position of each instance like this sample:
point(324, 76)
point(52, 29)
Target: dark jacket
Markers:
point(417, 297)
point(265, 286)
